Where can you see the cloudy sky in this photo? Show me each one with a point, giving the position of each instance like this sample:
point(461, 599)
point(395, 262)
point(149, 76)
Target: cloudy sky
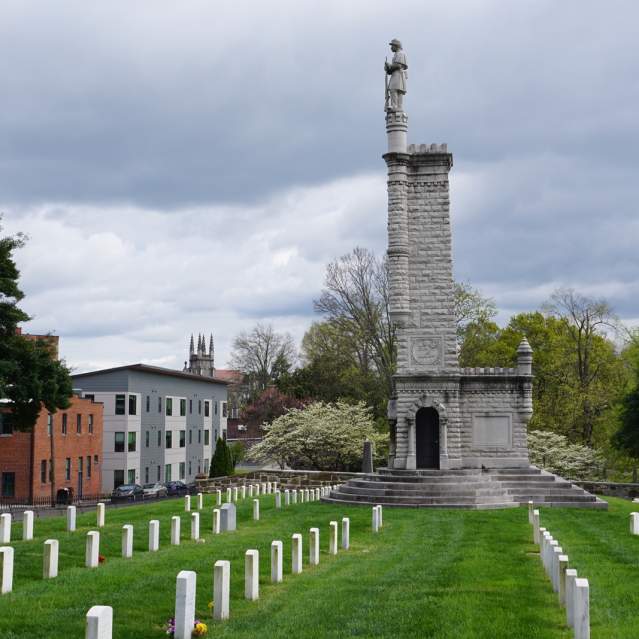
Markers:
point(192, 166)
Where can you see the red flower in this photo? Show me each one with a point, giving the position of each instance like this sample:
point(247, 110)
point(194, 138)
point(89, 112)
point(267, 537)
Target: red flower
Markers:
point(101, 559)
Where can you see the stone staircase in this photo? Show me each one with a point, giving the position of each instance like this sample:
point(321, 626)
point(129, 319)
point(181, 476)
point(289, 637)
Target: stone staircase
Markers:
point(463, 488)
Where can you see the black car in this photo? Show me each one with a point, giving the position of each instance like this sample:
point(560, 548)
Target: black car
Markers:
point(176, 488)
point(128, 492)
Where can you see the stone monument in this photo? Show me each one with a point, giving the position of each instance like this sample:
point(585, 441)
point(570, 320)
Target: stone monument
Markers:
point(441, 416)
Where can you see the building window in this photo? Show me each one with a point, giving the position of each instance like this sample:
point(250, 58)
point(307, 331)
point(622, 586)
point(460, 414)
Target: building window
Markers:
point(190, 406)
point(206, 466)
point(159, 408)
point(224, 409)
point(199, 436)
point(182, 470)
point(146, 475)
point(159, 473)
point(88, 466)
point(199, 406)
point(147, 437)
point(182, 439)
point(90, 424)
point(118, 478)
point(49, 424)
point(215, 406)
point(133, 439)
point(95, 460)
point(119, 408)
point(169, 406)
point(207, 409)
point(43, 471)
point(90, 396)
point(167, 472)
point(119, 442)
point(133, 404)
point(78, 424)
point(182, 407)
point(8, 484)
point(199, 466)
point(159, 440)
point(6, 427)
point(190, 437)
point(131, 477)
point(189, 469)
point(67, 468)
point(64, 423)
point(169, 439)
point(207, 436)
point(148, 404)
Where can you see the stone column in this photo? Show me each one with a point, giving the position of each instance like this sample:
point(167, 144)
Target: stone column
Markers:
point(411, 457)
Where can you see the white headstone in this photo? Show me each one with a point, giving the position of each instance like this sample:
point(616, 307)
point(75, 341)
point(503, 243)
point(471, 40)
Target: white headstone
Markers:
point(307, 494)
point(50, 559)
point(317, 494)
point(100, 510)
point(185, 589)
point(221, 589)
point(535, 523)
point(200, 501)
point(176, 524)
point(556, 551)
point(92, 551)
point(154, 535)
point(5, 528)
point(250, 494)
point(571, 575)
point(294, 495)
point(6, 570)
point(195, 526)
point(229, 495)
point(634, 523)
point(218, 496)
point(243, 492)
point(296, 554)
point(268, 487)
point(314, 547)
point(380, 515)
point(563, 566)
point(263, 488)
point(127, 541)
point(27, 525)
point(187, 503)
point(332, 540)
point(287, 497)
point(235, 493)
point(550, 553)
point(530, 512)
point(252, 575)
point(277, 550)
point(346, 530)
point(257, 489)
point(71, 518)
point(278, 499)
point(256, 509)
point(216, 521)
point(99, 622)
point(375, 522)
point(227, 518)
point(581, 608)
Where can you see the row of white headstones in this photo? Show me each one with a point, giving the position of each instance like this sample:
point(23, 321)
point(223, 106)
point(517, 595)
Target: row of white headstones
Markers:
point(99, 619)
point(573, 591)
point(222, 521)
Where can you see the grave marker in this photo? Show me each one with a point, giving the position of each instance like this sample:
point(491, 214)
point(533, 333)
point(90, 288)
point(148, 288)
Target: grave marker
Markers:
point(6, 570)
point(296, 554)
point(154, 535)
point(50, 559)
point(176, 524)
point(5, 528)
point(571, 575)
point(287, 497)
point(200, 501)
point(195, 526)
point(27, 525)
point(252, 575)
point(221, 589)
point(277, 550)
point(563, 566)
point(634, 523)
point(100, 514)
point(71, 517)
point(314, 547)
point(278, 499)
point(185, 604)
point(346, 526)
point(332, 540)
point(216, 521)
point(256, 510)
point(99, 621)
point(92, 550)
point(227, 518)
point(535, 523)
point(581, 608)
point(218, 496)
point(187, 503)
point(127, 541)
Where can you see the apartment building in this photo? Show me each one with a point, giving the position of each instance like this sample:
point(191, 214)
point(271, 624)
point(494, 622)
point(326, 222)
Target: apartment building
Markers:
point(160, 424)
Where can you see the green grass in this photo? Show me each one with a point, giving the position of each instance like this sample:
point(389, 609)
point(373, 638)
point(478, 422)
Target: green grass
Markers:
point(429, 573)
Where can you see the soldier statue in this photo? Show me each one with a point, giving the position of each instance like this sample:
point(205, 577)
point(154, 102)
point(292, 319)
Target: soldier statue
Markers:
point(396, 85)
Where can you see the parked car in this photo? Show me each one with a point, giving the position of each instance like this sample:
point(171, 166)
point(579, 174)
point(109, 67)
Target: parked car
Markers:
point(158, 489)
point(128, 492)
point(176, 488)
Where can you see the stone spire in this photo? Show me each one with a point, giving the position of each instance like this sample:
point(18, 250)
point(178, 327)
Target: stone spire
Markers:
point(211, 349)
point(191, 346)
point(524, 358)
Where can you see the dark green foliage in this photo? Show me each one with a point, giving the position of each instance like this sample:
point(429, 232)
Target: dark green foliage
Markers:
point(222, 462)
point(627, 437)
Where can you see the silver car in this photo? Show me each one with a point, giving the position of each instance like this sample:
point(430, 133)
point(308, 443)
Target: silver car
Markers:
point(154, 490)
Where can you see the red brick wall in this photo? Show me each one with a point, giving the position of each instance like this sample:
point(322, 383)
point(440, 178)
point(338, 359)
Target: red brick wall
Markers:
point(15, 451)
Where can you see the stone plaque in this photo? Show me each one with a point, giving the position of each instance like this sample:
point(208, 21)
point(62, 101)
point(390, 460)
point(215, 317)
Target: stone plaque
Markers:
point(426, 351)
point(492, 431)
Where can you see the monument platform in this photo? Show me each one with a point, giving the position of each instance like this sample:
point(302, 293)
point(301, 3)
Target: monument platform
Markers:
point(464, 488)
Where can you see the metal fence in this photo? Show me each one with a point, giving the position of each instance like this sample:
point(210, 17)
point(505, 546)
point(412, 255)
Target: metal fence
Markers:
point(16, 503)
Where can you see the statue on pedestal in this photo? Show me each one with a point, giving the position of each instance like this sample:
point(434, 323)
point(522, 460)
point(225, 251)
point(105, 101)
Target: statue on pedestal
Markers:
point(396, 84)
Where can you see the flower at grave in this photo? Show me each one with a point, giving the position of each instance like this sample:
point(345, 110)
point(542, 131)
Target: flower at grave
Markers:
point(101, 559)
point(170, 627)
point(210, 605)
point(199, 629)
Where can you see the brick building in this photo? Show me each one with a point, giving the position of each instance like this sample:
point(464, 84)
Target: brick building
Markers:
point(25, 458)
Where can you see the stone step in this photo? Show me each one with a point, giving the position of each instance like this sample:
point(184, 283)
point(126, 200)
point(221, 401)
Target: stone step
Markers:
point(553, 497)
point(419, 499)
point(479, 506)
point(421, 479)
point(430, 492)
point(423, 486)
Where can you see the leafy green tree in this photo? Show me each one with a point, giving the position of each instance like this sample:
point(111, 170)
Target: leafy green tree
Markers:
point(237, 453)
point(222, 461)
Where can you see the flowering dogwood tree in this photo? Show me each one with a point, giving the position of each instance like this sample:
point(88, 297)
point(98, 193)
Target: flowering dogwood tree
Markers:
point(320, 437)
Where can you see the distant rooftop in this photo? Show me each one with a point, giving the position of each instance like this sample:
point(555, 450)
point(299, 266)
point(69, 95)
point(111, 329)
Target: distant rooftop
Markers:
point(229, 375)
point(156, 370)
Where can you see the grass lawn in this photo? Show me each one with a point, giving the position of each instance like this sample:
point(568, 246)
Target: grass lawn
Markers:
point(429, 573)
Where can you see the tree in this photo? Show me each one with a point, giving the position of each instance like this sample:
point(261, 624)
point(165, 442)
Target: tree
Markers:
point(320, 437)
point(222, 462)
point(472, 309)
point(263, 356)
point(237, 453)
point(29, 376)
point(355, 301)
point(269, 405)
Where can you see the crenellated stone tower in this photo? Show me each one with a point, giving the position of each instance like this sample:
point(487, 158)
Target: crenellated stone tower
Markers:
point(200, 362)
point(441, 416)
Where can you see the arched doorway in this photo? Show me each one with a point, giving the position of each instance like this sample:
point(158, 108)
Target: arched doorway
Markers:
point(427, 438)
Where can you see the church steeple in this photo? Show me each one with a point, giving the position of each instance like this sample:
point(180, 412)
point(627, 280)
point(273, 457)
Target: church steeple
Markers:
point(201, 362)
point(191, 346)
